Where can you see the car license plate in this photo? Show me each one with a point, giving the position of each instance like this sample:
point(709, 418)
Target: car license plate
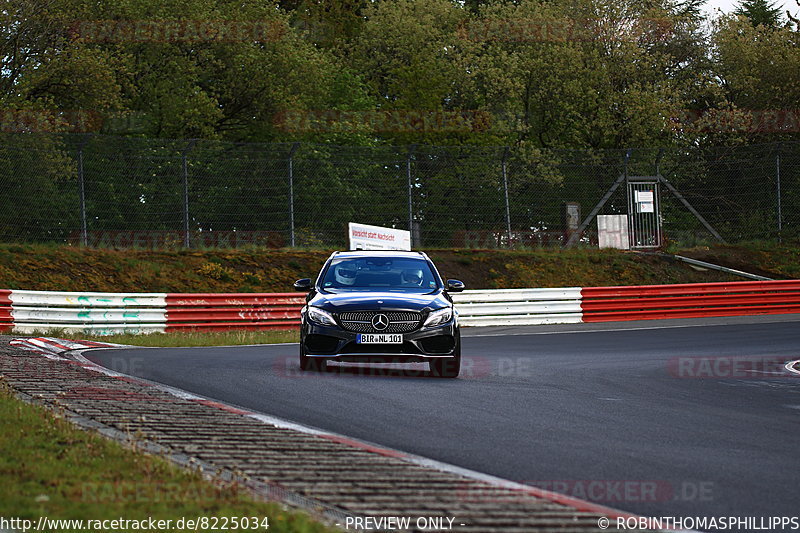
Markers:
point(379, 338)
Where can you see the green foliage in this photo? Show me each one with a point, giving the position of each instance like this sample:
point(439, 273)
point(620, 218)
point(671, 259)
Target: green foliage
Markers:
point(759, 12)
point(759, 65)
point(590, 74)
point(534, 74)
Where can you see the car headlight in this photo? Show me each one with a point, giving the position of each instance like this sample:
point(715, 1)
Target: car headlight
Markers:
point(320, 317)
point(439, 317)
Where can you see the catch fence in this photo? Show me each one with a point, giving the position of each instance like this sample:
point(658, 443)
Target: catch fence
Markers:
point(108, 191)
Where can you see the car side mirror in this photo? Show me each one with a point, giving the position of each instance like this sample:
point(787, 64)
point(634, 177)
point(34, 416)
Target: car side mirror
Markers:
point(453, 285)
point(303, 285)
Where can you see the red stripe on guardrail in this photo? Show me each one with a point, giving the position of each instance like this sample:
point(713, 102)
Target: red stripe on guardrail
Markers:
point(231, 314)
point(6, 321)
point(236, 299)
point(215, 312)
point(622, 304)
point(690, 300)
point(685, 289)
point(224, 326)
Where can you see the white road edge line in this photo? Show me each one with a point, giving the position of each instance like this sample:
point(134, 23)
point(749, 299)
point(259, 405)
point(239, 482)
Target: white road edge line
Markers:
point(793, 367)
point(603, 330)
point(404, 456)
point(127, 346)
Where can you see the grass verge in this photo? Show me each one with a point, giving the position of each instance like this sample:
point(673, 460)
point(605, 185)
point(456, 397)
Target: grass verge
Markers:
point(771, 259)
point(68, 268)
point(51, 468)
point(181, 339)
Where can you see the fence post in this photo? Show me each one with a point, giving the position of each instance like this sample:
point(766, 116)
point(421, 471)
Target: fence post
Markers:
point(186, 238)
point(410, 193)
point(82, 193)
point(505, 192)
point(293, 149)
point(778, 190)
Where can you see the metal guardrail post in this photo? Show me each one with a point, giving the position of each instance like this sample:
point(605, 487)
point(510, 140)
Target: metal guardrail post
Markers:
point(505, 191)
point(294, 148)
point(186, 238)
point(778, 191)
point(659, 156)
point(82, 193)
point(409, 155)
point(631, 230)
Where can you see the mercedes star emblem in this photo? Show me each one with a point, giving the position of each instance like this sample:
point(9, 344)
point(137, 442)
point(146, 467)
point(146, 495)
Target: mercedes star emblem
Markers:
point(380, 322)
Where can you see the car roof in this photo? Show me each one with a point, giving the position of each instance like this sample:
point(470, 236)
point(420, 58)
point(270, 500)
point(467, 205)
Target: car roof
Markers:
point(380, 253)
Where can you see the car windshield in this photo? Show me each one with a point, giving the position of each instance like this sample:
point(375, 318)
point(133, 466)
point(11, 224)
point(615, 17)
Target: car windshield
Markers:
point(384, 274)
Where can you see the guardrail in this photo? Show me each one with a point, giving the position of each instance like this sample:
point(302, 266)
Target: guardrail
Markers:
point(6, 321)
point(107, 313)
point(689, 300)
point(515, 307)
point(234, 311)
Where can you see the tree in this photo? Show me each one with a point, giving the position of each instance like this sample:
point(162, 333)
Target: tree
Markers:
point(589, 74)
point(757, 68)
point(759, 12)
point(42, 72)
point(408, 54)
point(330, 23)
point(194, 68)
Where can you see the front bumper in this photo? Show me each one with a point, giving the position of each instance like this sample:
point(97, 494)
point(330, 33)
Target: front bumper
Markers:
point(335, 343)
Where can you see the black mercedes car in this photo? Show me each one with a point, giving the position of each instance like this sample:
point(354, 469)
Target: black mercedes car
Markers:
point(380, 306)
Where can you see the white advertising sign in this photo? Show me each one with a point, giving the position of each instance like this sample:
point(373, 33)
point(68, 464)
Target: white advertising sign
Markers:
point(612, 231)
point(366, 237)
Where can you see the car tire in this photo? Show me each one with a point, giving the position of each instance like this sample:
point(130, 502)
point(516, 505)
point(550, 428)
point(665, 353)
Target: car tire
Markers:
point(449, 367)
point(311, 364)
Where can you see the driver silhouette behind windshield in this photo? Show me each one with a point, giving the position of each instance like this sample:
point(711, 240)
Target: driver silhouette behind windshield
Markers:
point(412, 277)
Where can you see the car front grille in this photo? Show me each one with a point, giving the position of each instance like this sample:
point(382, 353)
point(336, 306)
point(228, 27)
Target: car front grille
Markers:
point(399, 321)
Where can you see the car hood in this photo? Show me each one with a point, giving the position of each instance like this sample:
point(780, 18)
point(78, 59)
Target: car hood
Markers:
point(379, 301)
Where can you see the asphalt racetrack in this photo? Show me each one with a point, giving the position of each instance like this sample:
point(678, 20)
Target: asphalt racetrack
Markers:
point(660, 418)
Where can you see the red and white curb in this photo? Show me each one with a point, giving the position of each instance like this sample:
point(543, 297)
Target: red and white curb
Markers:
point(52, 348)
